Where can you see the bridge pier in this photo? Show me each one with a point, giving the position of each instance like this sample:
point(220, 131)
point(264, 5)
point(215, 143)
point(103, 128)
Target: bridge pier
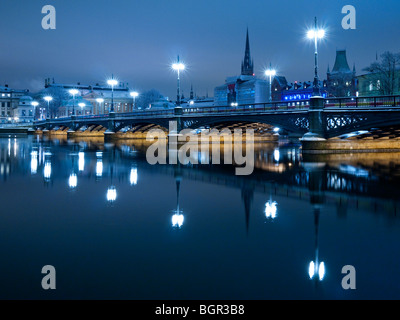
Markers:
point(174, 133)
point(317, 125)
point(316, 120)
point(46, 130)
point(109, 134)
point(71, 129)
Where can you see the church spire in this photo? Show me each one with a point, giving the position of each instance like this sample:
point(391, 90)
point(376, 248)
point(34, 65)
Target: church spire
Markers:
point(191, 92)
point(247, 64)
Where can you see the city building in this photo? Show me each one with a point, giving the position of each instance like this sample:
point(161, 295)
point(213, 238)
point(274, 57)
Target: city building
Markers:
point(375, 84)
point(97, 98)
point(302, 91)
point(9, 103)
point(243, 89)
point(341, 81)
point(279, 83)
point(25, 110)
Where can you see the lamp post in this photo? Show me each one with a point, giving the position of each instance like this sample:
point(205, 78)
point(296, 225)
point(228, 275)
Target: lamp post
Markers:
point(34, 104)
point(112, 82)
point(178, 67)
point(48, 99)
point(134, 95)
point(73, 92)
point(81, 105)
point(100, 101)
point(270, 73)
point(316, 34)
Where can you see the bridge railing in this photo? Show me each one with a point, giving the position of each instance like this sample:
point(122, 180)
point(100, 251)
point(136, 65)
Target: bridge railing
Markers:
point(363, 102)
point(255, 107)
point(278, 106)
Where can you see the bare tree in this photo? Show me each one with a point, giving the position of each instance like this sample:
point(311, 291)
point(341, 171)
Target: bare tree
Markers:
point(385, 71)
point(148, 97)
point(58, 94)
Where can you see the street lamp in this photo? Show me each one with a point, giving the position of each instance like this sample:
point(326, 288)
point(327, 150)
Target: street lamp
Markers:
point(270, 73)
point(134, 95)
point(100, 101)
point(316, 34)
point(48, 99)
point(34, 104)
point(178, 67)
point(73, 92)
point(112, 82)
point(82, 105)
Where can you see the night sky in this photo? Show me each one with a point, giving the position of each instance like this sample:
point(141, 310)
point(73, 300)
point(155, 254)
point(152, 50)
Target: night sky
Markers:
point(138, 40)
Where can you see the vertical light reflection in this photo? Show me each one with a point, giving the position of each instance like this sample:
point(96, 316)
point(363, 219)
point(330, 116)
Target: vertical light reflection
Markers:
point(111, 194)
point(81, 161)
point(47, 170)
point(99, 168)
point(271, 209)
point(34, 162)
point(73, 181)
point(177, 220)
point(277, 155)
point(15, 147)
point(133, 176)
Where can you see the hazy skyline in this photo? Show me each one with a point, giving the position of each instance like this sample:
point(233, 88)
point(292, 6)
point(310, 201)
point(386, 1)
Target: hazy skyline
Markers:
point(137, 41)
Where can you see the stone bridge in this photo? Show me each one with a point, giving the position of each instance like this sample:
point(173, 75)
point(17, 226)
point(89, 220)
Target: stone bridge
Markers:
point(317, 119)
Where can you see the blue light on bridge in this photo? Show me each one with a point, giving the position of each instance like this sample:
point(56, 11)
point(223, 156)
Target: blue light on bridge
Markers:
point(295, 97)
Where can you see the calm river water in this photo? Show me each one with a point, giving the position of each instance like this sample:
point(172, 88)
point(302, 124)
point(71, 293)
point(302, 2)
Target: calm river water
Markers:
point(115, 227)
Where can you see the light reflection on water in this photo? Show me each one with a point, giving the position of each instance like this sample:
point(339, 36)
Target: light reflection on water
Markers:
point(117, 227)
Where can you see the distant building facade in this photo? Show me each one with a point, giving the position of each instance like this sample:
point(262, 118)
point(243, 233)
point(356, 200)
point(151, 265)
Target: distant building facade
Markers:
point(302, 91)
point(340, 82)
point(97, 99)
point(243, 89)
point(372, 84)
point(11, 110)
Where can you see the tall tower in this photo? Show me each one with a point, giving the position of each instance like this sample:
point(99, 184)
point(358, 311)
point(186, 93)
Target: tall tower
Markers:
point(341, 81)
point(247, 64)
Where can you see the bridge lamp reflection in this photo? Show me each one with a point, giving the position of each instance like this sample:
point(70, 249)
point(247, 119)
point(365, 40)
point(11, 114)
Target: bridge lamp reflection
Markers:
point(81, 161)
point(34, 162)
point(111, 194)
point(177, 219)
point(271, 209)
point(277, 155)
point(133, 176)
point(73, 181)
point(99, 168)
point(315, 269)
point(47, 170)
